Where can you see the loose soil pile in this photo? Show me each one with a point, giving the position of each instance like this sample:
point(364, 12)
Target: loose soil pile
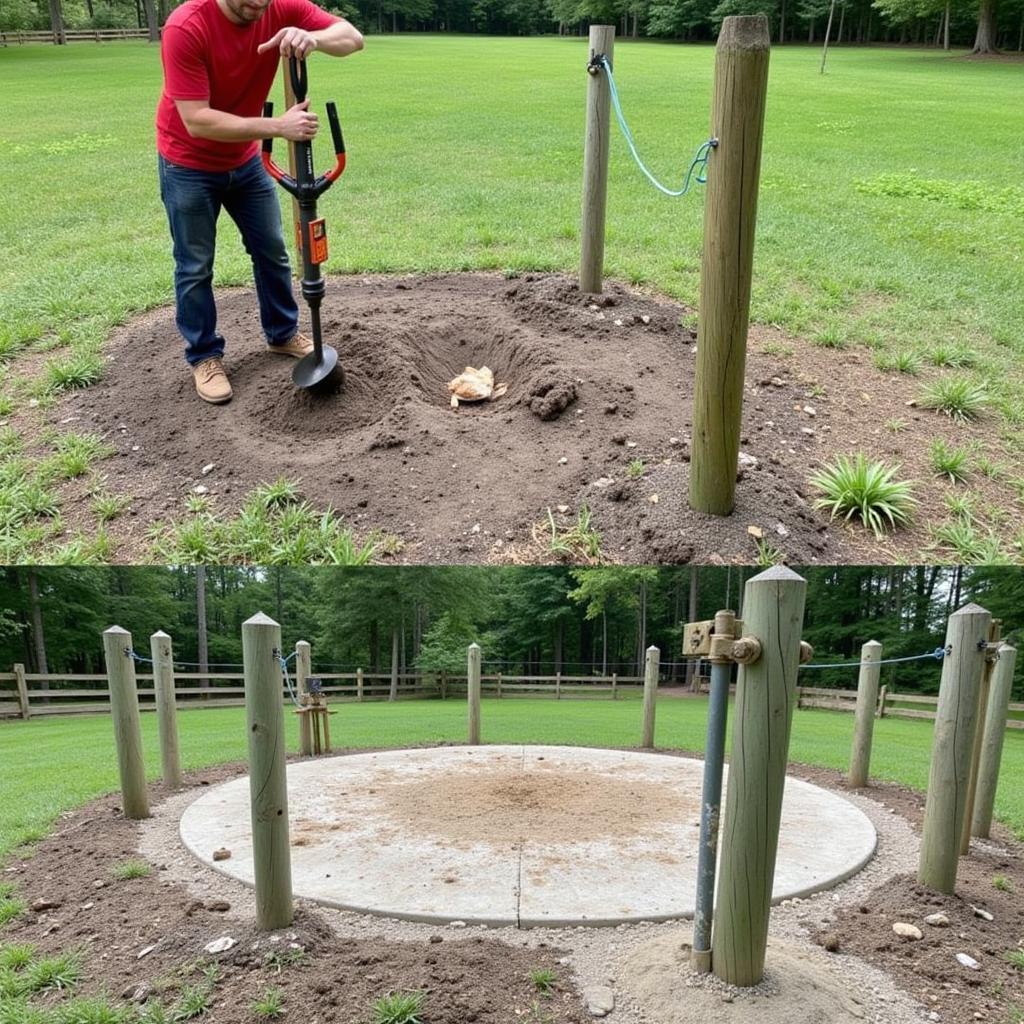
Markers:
point(594, 383)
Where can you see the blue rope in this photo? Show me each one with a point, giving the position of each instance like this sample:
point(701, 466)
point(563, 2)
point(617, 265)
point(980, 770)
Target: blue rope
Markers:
point(938, 654)
point(190, 664)
point(698, 164)
point(287, 678)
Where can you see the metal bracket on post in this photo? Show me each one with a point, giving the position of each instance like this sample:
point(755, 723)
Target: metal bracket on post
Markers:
point(721, 641)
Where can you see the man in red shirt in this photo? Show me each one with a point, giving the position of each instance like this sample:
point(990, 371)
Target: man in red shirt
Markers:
point(220, 58)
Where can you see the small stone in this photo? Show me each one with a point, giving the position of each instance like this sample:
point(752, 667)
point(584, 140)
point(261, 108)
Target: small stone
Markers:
point(968, 961)
point(562, 508)
point(221, 945)
point(136, 448)
point(747, 461)
point(434, 939)
point(603, 481)
point(98, 884)
point(983, 914)
point(778, 382)
point(222, 854)
point(201, 489)
point(937, 920)
point(137, 992)
point(906, 931)
point(728, 997)
point(645, 318)
point(208, 468)
point(809, 431)
point(810, 410)
point(144, 952)
point(618, 323)
point(653, 499)
point(781, 530)
point(599, 1000)
point(563, 461)
point(38, 906)
point(933, 1016)
point(831, 942)
point(87, 906)
point(476, 528)
point(674, 441)
point(631, 444)
point(456, 924)
point(611, 408)
point(756, 532)
point(219, 906)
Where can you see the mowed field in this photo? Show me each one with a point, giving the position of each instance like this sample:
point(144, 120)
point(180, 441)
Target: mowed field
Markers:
point(51, 765)
point(890, 212)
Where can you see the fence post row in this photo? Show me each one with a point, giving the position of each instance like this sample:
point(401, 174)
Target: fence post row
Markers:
point(268, 788)
point(124, 709)
point(952, 747)
point(166, 708)
point(867, 699)
point(730, 214)
point(773, 612)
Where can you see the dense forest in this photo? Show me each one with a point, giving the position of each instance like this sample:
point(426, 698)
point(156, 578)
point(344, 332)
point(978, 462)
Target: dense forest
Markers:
point(985, 25)
point(531, 620)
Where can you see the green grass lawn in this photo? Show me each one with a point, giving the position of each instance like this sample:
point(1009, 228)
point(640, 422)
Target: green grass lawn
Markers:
point(52, 765)
point(466, 153)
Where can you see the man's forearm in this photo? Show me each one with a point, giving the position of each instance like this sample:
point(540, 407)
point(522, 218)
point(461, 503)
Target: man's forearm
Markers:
point(224, 127)
point(339, 39)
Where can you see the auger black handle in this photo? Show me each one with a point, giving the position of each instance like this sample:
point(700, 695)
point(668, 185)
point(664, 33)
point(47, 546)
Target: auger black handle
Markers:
point(300, 78)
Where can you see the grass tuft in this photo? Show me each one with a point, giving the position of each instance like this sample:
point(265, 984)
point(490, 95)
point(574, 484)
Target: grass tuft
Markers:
point(866, 491)
point(959, 398)
point(131, 869)
point(270, 1005)
point(949, 462)
point(543, 980)
point(398, 1008)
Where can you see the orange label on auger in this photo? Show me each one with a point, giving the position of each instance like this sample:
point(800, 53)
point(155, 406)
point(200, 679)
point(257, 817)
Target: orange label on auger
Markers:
point(317, 241)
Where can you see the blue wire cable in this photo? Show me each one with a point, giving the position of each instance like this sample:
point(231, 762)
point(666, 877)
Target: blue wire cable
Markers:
point(938, 654)
point(699, 163)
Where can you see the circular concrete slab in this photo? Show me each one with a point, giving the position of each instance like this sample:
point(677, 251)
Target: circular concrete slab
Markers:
point(511, 835)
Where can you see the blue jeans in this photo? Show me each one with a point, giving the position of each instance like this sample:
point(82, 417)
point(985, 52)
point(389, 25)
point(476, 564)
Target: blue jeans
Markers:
point(193, 200)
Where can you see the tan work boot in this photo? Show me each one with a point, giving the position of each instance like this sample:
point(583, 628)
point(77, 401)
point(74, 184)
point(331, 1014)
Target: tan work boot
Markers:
point(296, 347)
point(211, 381)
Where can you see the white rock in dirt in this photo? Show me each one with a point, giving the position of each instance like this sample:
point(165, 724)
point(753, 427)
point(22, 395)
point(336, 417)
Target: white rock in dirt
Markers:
point(221, 945)
point(983, 914)
point(748, 461)
point(201, 489)
point(604, 481)
point(456, 924)
point(968, 961)
point(562, 508)
point(933, 1016)
point(906, 931)
point(563, 461)
point(207, 469)
point(144, 952)
point(937, 920)
point(599, 1000)
point(781, 530)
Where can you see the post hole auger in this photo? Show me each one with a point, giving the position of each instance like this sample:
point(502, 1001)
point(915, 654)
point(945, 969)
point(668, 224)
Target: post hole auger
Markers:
point(321, 365)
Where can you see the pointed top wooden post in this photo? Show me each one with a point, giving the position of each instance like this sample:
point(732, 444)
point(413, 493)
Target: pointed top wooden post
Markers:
point(166, 708)
point(992, 740)
point(473, 692)
point(952, 747)
point(303, 670)
point(867, 700)
point(773, 613)
point(268, 784)
point(124, 709)
point(652, 664)
point(730, 215)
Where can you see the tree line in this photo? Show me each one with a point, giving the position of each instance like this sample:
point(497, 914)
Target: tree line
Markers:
point(539, 620)
point(985, 25)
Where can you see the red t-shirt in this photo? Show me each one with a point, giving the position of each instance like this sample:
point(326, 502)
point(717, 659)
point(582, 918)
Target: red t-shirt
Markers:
point(206, 56)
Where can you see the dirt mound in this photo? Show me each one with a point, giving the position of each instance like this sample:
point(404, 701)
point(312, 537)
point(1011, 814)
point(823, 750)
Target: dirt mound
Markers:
point(597, 412)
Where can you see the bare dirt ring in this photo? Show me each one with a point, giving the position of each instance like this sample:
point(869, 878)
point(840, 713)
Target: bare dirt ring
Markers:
point(594, 383)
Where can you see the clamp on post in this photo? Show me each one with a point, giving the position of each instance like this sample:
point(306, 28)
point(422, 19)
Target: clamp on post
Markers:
point(596, 64)
point(721, 641)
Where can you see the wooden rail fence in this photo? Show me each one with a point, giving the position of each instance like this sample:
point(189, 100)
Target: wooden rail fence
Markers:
point(95, 35)
point(22, 694)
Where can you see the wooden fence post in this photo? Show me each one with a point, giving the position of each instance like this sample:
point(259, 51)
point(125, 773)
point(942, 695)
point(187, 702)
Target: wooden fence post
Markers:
point(268, 784)
point(499, 686)
point(651, 665)
point(359, 685)
point(124, 709)
point(882, 694)
point(161, 651)
point(558, 686)
point(615, 684)
point(19, 681)
point(730, 214)
point(992, 743)
point(773, 612)
point(303, 670)
point(473, 692)
point(867, 699)
point(444, 685)
point(991, 657)
point(595, 164)
point(952, 747)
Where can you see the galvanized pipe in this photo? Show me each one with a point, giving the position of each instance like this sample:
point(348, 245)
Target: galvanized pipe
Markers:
point(711, 805)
